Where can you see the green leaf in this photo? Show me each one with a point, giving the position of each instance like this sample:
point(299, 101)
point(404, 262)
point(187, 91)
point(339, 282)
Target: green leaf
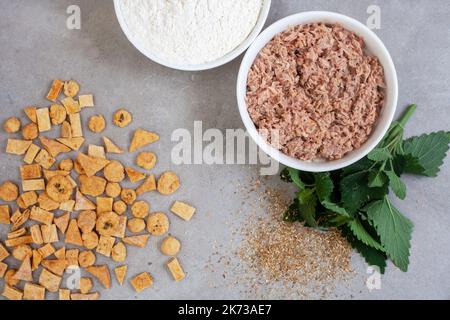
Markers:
point(379, 154)
point(335, 208)
point(293, 173)
point(362, 235)
point(425, 154)
point(394, 230)
point(398, 164)
point(377, 179)
point(397, 185)
point(372, 256)
point(338, 221)
point(362, 165)
point(356, 193)
point(324, 189)
point(324, 186)
point(411, 165)
point(307, 202)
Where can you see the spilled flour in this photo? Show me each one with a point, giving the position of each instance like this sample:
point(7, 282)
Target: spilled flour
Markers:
point(189, 32)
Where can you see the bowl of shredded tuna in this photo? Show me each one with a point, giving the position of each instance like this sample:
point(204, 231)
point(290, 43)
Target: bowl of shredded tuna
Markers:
point(191, 35)
point(317, 91)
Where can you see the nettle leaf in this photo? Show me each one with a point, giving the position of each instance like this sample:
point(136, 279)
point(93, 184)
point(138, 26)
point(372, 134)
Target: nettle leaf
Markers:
point(362, 165)
point(363, 235)
point(338, 221)
point(377, 179)
point(324, 189)
point(324, 186)
point(394, 230)
point(335, 208)
point(379, 154)
point(424, 155)
point(355, 191)
point(307, 202)
point(294, 175)
point(397, 185)
point(411, 165)
point(372, 256)
point(398, 164)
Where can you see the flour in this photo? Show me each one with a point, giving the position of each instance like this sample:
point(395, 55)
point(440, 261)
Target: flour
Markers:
point(190, 32)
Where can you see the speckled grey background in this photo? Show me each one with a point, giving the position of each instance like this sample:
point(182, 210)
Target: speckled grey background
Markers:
point(36, 47)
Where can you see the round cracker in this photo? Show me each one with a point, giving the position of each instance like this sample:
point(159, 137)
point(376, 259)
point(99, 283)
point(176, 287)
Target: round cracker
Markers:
point(128, 196)
point(122, 118)
point(168, 183)
point(114, 171)
point(170, 246)
point(136, 225)
point(59, 189)
point(107, 224)
point(157, 224)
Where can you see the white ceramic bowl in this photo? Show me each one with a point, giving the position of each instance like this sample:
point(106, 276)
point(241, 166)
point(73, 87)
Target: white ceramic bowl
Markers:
point(374, 47)
point(204, 66)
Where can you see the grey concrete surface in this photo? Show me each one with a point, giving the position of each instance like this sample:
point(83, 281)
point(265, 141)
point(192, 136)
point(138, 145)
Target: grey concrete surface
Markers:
point(36, 47)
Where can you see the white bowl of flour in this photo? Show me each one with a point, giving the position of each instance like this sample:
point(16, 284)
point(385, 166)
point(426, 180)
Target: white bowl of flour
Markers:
point(192, 35)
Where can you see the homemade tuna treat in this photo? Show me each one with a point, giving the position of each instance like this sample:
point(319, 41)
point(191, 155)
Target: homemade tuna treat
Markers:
point(97, 123)
point(316, 88)
point(12, 125)
point(122, 118)
point(54, 208)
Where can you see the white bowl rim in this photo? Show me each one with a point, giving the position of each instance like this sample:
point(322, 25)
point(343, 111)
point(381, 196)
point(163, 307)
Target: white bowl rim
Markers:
point(264, 13)
point(388, 111)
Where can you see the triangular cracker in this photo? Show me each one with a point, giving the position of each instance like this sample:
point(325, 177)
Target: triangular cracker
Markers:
point(73, 235)
point(91, 165)
point(142, 138)
point(137, 241)
point(53, 147)
point(82, 203)
point(135, 175)
point(3, 252)
point(17, 147)
point(102, 274)
point(72, 143)
point(56, 266)
point(111, 147)
point(24, 273)
point(62, 222)
point(31, 113)
point(121, 272)
point(66, 130)
point(46, 203)
point(148, 185)
point(36, 260)
point(48, 174)
point(60, 253)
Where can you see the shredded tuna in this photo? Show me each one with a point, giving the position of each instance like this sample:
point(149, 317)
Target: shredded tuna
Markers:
point(315, 87)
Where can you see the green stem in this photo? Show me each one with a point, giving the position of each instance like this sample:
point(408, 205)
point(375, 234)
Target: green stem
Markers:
point(407, 115)
point(400, 124)
point(391, 165)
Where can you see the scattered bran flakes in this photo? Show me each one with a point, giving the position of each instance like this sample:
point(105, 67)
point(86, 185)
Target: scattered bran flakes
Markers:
point(276, 259)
